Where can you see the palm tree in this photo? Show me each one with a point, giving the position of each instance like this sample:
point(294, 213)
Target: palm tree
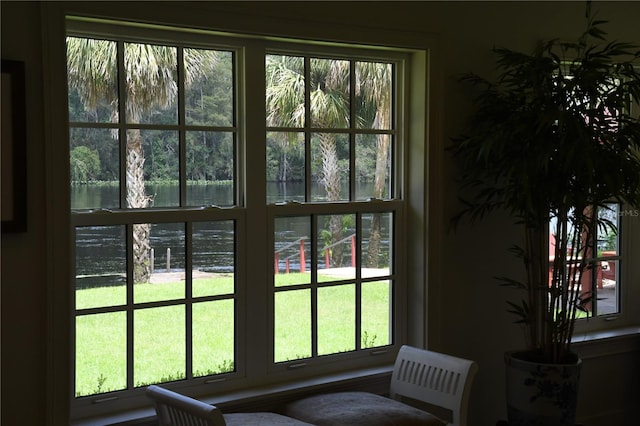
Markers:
point(150, 82)
point(374, 87)
point(329, 107)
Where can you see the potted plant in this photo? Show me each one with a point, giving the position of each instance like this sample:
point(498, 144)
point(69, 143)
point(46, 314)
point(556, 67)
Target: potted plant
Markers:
point(552, 140)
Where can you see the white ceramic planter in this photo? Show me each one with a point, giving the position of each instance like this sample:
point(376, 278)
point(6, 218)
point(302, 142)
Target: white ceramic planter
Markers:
point(541, 394)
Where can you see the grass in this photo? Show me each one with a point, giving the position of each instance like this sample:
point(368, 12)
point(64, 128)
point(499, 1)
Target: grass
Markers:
point(159, 333)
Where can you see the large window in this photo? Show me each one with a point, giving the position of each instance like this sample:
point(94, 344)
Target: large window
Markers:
point(231, 221)
point(152, 134)
point(601, 283)
point(331, 132)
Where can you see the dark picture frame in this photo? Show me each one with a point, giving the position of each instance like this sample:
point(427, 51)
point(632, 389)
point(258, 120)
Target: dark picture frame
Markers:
point(13, 148)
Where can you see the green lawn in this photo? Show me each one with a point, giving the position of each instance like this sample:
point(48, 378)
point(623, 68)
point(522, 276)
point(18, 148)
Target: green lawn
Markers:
point(159, 333)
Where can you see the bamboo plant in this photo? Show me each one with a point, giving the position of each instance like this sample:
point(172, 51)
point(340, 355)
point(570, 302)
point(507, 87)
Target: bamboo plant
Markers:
point(554, 137)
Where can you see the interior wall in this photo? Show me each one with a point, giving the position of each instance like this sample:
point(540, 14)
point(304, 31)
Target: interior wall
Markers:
point(471, 321)
point(23, 280)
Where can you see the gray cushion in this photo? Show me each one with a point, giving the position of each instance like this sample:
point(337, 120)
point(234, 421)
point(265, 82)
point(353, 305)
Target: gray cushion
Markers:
point(358, 408)
point(261, 419)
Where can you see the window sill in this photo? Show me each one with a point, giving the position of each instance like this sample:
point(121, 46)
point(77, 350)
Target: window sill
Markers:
point(265, 398)
point(596, 344)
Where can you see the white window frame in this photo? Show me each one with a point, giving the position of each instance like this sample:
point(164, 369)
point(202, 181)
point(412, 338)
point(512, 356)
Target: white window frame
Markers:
point(422, 190)
point(627, 320)
point(88, 405)
point(628, 290)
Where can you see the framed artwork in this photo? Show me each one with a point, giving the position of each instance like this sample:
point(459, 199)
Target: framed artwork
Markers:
point(13, 152)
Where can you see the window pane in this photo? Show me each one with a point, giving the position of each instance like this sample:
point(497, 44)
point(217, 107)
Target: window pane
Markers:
point(373, 166)
point(285, 85)
point(376, 244)
point(166, 264)
point(208, 87)
point(374, 99)
point(607, 239)
point(292, 333)
point(93, 80)
point(101, 266)
point(376, 314)
point(336, 319)
point(151, 83)
point(330, 106)
point(330, 166)
point(94, 168)
point(159, 345)
point(285, 167)
point(210, 169)
point(608, 288)
point(608, 253)
point(213, 338)
point(213, 258)
point(152, 169)
point(336, 246)
point(292, 258)
point(101, 353)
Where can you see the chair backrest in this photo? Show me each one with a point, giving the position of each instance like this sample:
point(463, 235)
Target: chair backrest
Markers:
point(434, 378)
point(174, 409)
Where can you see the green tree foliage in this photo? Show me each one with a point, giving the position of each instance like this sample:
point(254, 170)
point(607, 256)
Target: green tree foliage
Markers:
point(84, 164)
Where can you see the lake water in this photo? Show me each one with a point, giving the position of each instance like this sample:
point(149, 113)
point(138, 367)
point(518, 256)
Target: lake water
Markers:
point(101, 251)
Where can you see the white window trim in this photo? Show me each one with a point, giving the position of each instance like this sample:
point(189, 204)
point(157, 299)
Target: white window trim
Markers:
point(628, 287)
point(423, 180)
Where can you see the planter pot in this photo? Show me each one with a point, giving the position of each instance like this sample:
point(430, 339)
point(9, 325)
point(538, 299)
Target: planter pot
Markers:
point(541, 394)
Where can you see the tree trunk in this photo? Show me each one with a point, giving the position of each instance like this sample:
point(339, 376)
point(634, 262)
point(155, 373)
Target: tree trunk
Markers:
point(379, 184)
point(331, 182)
point(137, 199)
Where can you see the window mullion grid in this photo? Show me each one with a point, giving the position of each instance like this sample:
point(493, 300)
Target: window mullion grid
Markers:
point(188, 226)
point(314, 285)
point(188, 277)
point(358, 282)
point(395, 173)
point(307, 125)
point(352, 133)
point(122, 120)
point(182, 137)
point(130, 308)
point(123, 133)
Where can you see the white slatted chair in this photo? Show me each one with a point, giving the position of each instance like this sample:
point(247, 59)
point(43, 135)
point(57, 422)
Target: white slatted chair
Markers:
point(420, 377)
point(174, 409)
